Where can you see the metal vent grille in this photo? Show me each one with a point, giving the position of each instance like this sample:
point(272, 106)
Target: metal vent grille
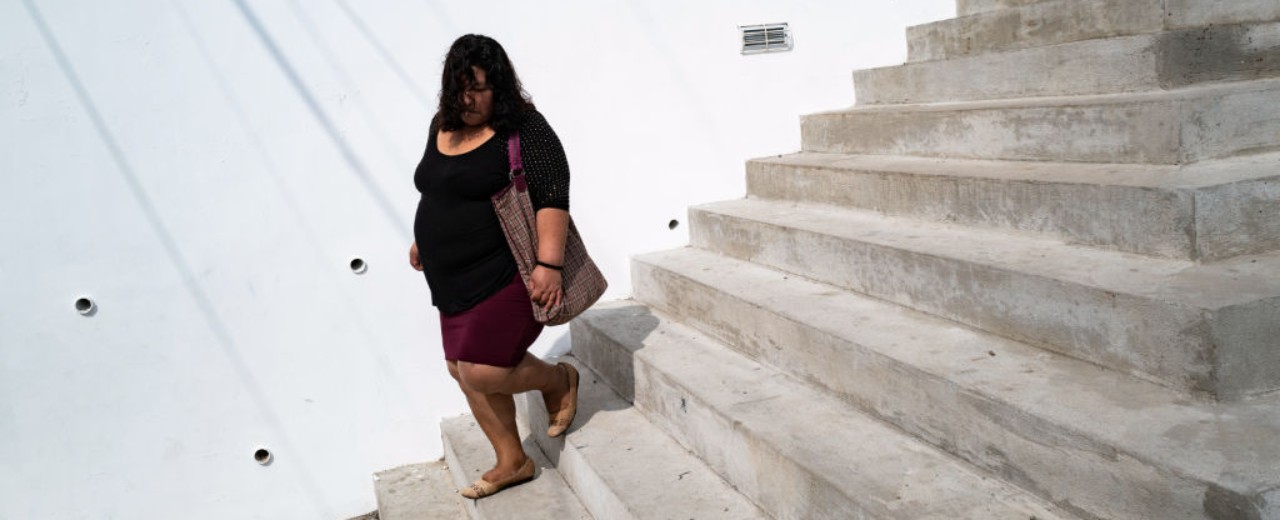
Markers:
point(771, 37)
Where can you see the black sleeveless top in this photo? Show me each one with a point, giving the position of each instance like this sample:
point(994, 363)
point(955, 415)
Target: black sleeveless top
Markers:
point(463, 252)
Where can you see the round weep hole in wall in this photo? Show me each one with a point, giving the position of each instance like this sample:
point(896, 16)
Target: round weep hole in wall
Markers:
point(85, 306)
point(359, 266)
point(673, 224)
point(262, 456)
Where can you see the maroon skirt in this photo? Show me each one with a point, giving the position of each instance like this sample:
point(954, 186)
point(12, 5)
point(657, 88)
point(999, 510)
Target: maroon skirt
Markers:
point(495, 332)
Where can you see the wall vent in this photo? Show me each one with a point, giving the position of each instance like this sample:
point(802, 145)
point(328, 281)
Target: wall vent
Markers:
point(770, 37)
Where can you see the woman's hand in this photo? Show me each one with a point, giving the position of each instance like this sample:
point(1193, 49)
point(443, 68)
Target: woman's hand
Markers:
point(545, 287)
point(413, 257)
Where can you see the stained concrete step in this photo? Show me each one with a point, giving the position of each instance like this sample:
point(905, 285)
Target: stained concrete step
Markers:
point(417, 492)
point(1167, 60)
point(1207, 211)
point(623, 467)
point(796, 451)
point(1177, 13)
point(1211, 31)
point(1212, 330)
point(1165, 127)
point(1037, 24)
point(468, 454)
point(1199, 13)
point(1091, 439)
point(969, 7)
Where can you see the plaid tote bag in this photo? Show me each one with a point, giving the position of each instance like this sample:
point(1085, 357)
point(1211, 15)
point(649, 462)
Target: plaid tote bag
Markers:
point(582, 282)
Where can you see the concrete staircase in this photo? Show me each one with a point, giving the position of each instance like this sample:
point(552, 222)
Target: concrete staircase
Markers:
point(1034, 273)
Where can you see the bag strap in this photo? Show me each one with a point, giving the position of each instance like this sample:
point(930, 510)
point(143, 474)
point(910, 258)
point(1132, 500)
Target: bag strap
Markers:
point(513, 155)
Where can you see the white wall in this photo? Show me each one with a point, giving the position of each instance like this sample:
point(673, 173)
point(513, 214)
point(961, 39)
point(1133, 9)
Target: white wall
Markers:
point(205, 170)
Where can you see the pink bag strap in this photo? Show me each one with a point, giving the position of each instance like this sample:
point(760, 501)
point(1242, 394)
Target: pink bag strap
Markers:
point(513, 155)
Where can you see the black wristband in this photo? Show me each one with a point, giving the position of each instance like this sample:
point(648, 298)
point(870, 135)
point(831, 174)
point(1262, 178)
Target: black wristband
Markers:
point(549, 266)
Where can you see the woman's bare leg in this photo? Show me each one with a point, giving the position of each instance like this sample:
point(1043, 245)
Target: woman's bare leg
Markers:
point(489, 390)
point(499, 425)
point(495, 413)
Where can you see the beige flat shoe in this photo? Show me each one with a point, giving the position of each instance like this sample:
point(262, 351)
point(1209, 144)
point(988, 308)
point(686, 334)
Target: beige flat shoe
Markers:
point(483, 488)
point(564, 418)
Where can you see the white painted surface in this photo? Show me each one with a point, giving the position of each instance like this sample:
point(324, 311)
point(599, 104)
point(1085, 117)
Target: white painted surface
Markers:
point(209, 193)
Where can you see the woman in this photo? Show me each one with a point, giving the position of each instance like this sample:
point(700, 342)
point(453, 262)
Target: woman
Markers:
point(486, 318)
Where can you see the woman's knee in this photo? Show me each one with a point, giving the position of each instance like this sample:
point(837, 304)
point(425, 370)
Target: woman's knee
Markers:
point(486, 379)
point(453, 371)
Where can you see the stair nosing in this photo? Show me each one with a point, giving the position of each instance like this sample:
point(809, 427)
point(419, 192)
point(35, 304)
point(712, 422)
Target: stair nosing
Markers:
point(1165, 177)
point(1124, 268)
point(1187, 93)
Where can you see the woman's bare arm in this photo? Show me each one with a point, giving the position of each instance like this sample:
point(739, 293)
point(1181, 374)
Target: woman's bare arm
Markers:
point(553, 227)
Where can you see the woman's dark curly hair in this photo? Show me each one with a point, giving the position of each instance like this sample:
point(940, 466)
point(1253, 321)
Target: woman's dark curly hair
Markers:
point(510, 101)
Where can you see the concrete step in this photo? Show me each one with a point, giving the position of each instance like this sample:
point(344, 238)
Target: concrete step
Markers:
point(1200, 13)
point(969, 7)
point(1033, 25)
point(1209, 29)
point(795, 450)
point(1211, 330)
point(1165, 127)
point(623, 467)
point(1098, 442)
point(416, 492)
point(1177, 13)
point(468, 454)
point(1207, 211)
point(1166, 60)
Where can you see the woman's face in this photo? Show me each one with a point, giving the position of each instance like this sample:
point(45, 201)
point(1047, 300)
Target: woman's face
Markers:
point(477, 100)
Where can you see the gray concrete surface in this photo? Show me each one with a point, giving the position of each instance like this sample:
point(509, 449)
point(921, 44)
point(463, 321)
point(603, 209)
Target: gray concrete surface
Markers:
point(1238, 217)
point(1167, 127)
point(1099, 66)
point(1178, 13)
point(623, 467)
point(1166, 60)
point(1062, 21)
point(968, 7)
point(1199, 13)
point(1033, 25)
point(417, 492)
point(1100, 443)
point(797, 451)
point(468, 455)
point(1207, 211)
point(1162, 318)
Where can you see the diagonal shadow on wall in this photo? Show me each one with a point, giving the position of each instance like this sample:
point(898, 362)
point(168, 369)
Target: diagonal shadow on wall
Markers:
point(349, 155)
point(291, 202)
point(212, 320)
point(387, 56)
point(349, 83)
